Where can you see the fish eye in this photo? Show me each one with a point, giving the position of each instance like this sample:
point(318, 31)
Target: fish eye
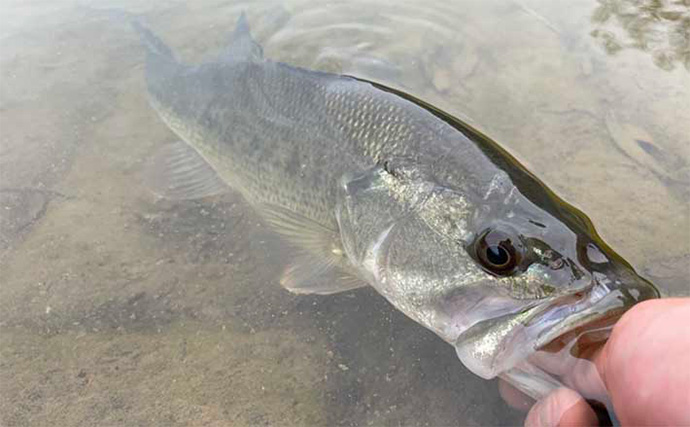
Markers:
point(496, 252)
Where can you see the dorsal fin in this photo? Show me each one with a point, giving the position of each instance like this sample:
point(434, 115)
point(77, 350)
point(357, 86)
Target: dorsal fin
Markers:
point(242, 47)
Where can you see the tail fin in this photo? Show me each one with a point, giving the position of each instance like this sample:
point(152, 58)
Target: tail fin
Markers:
point(242, 47)
point(155, 47)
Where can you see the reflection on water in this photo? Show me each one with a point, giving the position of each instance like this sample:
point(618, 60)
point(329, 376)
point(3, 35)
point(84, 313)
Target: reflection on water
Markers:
point(660, 27)
point(118, 309)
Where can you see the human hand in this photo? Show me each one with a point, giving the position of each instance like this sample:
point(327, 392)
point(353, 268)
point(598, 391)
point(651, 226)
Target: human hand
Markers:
point(644, 368)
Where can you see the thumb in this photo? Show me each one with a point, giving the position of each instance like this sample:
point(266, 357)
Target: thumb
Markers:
point(563, 407)
point(645, 364)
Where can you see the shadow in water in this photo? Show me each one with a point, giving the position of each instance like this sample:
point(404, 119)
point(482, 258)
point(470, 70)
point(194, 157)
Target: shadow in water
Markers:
point(391, 371)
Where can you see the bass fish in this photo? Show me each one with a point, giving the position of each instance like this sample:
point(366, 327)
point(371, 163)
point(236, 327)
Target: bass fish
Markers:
point(377, 188)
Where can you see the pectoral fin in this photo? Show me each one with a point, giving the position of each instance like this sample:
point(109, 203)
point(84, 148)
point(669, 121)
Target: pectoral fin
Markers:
point(178, 172)
point(309, 274)
point(365, 210)
point(320, 265)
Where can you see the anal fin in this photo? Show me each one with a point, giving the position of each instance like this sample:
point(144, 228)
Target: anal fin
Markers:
point(319, 267)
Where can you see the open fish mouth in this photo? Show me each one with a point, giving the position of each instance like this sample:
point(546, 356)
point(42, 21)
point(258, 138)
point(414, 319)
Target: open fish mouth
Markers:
point(496, 346)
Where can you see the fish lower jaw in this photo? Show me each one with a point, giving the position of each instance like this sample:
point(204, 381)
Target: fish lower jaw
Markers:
point(497, 345)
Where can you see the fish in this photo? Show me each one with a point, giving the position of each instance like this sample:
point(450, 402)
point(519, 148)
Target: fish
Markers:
point(374, 187)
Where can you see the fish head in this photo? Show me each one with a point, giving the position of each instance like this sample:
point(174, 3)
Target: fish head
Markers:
point(491, 272)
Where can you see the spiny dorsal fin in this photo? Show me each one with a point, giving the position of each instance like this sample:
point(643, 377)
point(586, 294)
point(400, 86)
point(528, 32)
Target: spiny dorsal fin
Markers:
point(242, 47)
point(318, 268)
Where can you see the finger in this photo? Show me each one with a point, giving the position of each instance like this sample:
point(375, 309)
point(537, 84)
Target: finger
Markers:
point(586, 379)
point(644, 364)
point(563, 407)
point(514, 397)
point(554, 363)
point(577, 373)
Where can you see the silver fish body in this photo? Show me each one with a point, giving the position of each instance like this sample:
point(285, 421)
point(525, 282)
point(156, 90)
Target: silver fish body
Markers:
point(378, 188)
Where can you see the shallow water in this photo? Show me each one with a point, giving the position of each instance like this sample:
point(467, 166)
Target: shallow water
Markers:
point(117, 308)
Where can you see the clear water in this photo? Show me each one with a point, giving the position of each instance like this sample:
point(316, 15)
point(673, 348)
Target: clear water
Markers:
point(120, 309)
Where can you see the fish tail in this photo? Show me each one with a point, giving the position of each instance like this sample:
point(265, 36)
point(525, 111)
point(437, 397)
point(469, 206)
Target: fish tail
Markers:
point(155, 47)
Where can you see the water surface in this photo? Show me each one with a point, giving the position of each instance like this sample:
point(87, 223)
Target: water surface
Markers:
point(118, 308)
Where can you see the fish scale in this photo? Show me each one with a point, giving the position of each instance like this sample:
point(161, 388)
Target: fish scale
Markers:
point(374, 187)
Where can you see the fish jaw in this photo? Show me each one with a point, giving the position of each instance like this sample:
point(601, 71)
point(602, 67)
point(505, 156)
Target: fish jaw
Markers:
point(497, 345)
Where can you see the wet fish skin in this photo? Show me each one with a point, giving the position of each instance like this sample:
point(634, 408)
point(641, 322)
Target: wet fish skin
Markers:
point(380, 188)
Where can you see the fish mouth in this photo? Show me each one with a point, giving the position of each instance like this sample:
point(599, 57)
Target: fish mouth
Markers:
point(497, 345)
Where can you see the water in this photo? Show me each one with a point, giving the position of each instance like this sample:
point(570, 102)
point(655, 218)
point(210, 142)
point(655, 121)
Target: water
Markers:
point(118, 308)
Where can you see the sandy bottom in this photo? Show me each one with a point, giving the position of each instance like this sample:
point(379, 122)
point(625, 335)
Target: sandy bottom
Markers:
point(120, 309)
